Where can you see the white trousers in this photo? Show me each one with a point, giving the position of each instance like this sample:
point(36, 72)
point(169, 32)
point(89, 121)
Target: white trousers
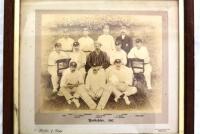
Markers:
point(147, 74)
point(122, 89)
point(103, 94)
point(70, 93)
point(104, 98)
point(77, 93)
point(86, 97)
point(54, 77)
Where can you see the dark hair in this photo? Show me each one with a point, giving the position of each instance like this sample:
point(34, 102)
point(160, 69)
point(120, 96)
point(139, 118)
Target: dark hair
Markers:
point(76, 43)
point(138, 40)
point(73, 64)
point(57, 44)
point(97, 42)
point(117, 61)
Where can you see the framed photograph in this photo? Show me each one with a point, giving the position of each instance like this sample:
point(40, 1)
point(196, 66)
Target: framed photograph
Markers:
point(99, 67)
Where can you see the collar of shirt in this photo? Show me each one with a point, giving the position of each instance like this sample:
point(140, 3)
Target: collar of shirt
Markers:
point(123, 37)
point(100, 52)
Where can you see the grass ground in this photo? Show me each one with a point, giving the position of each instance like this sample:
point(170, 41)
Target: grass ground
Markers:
point(142, 101)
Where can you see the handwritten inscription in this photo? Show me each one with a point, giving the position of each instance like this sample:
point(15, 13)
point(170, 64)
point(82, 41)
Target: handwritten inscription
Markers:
point(49, 131)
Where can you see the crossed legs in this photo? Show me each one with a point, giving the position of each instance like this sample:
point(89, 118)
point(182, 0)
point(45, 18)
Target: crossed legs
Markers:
point(122, 90)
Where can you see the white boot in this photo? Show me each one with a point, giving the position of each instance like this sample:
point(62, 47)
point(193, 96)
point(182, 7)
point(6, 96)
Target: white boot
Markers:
point(55, 90)
point(60, 93)
point(149, 87)
point(127, 101)
point(76, 102)
point(117, 97)
point(99, 107)
point(69, 102)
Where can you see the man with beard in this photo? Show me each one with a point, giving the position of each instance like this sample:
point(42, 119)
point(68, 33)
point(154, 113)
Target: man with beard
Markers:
point(96, 86)
point(98, 57)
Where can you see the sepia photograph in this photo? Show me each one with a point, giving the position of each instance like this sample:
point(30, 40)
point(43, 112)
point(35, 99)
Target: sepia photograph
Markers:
point(101, 61)
point(101, 66)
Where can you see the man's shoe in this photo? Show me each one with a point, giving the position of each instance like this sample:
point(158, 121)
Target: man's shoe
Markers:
point(117, 98)
point(69, 102)
point(127, 101)
point(76, 102)
point(60, 93)
point(55, 90)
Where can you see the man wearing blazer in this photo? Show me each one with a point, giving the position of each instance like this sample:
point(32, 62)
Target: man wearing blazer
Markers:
point(125, 40)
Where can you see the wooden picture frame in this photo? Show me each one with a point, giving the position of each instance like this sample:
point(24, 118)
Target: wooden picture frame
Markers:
point(10, 53)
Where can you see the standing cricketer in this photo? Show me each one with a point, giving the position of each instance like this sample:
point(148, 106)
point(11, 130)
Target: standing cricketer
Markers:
point(126, 41)
point(86, 42)
point(107, 40)
point(66, 41)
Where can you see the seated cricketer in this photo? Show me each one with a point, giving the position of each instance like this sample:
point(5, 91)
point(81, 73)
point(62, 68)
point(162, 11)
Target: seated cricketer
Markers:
point(79, 57)
point(72, 87)
point(119, 79)
point(97, 57)
point(118, 53)
point(55, 55)
point(96, 86)
point(141, 52)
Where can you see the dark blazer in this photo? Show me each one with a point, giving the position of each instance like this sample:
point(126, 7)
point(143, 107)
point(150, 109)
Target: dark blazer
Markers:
point(127, 43)
point(100, 59)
